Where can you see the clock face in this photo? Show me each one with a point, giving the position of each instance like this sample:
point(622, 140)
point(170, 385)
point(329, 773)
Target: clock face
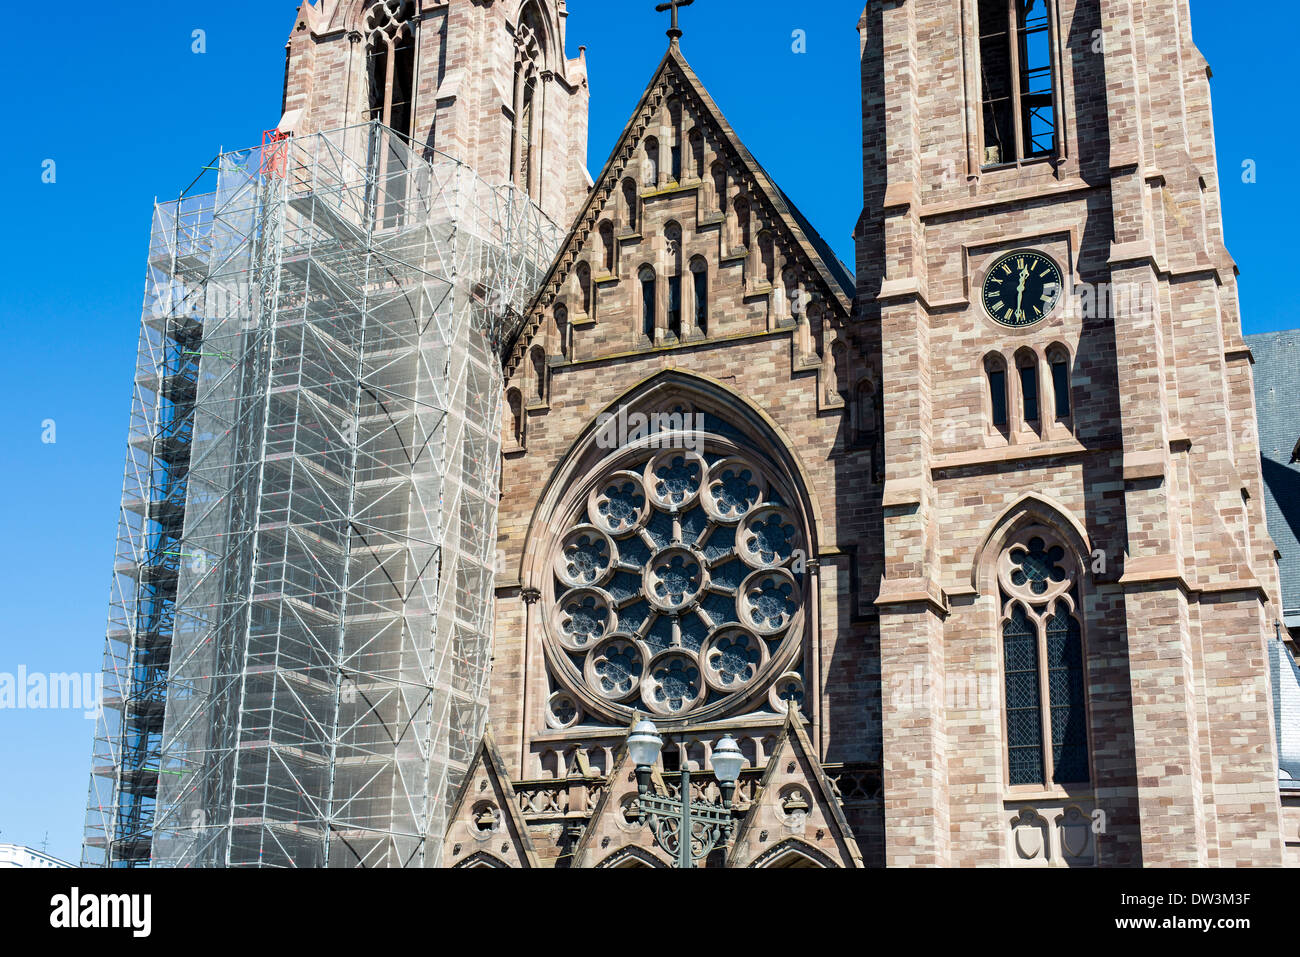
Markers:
point(1022, 288)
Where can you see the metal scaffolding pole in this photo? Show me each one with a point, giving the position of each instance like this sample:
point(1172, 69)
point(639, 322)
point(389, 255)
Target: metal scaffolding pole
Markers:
point(309, 677)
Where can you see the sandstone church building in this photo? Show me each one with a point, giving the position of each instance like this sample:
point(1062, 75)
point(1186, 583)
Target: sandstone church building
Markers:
point(964, 545)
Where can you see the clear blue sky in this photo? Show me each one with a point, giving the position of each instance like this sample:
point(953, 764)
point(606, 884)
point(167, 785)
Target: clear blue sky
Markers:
point(128, 112)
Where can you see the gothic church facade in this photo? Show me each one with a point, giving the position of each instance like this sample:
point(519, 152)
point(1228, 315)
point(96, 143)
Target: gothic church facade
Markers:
point(965, 546)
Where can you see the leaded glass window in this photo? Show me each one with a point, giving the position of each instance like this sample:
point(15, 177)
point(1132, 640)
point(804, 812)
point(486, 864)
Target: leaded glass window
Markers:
point(1024, 706)
point(1044, 665)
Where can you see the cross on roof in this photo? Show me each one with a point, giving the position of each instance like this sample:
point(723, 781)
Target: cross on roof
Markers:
point(674, 32)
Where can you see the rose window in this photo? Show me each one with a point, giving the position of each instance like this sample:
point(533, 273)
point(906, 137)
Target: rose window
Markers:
point(678, 588)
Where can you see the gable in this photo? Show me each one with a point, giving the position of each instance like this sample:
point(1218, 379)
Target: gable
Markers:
point(680, 164)
point(795, 819)
point(485, 827)
point(610, 840)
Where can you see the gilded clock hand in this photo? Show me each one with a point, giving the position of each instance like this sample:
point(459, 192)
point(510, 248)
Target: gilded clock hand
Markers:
point(1020, 298)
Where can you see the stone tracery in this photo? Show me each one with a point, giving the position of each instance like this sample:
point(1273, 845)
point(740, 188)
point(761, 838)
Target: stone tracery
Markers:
point(677, 588)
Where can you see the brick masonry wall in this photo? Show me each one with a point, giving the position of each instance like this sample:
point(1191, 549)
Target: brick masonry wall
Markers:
point(1291, 828)
point(755, 355)
point(1150, 467)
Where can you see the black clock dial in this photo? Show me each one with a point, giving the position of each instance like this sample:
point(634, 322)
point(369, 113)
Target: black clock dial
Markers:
point(1022, 288)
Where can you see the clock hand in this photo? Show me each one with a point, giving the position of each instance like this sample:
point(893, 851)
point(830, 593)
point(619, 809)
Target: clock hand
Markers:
point(1020, 298)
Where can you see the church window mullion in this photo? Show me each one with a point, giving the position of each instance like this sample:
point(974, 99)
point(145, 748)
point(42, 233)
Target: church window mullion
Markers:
point(1016, 54)
point(391, 63)
point(1045, 697)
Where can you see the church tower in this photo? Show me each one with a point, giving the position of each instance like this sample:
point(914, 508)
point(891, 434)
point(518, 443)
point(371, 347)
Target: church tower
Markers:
point(301, 624)
point(1079, 588)
point(489, 84)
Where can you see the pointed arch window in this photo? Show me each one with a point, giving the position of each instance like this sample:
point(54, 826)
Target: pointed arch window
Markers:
point(526, 133)
point(1058, 359)
point(1031, 406)
point(390, 64)
point(720, 186)
point(675, 119)
point(585, 299)
point(1044, 672)
point(696, 140)
point(995, 368)
point(1017, 81)
point(539, 375)
point(863, 415)
point(648, 297)
point(652, 163)
point(743, 224)
point(562, 328)
point(767, 258)
point(630, 202)
point(607, 247)
point(515, 405)
point(839, 386)
point(700, 280)
point(673, 233)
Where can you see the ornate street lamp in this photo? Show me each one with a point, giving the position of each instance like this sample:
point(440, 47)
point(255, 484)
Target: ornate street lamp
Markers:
point(689, 830)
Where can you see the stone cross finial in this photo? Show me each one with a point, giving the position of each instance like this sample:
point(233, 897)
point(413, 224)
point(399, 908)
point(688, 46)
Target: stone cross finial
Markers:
point(674, 32)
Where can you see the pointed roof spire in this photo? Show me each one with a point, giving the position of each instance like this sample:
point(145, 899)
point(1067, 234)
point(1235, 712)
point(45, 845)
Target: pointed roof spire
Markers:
point(675, 31)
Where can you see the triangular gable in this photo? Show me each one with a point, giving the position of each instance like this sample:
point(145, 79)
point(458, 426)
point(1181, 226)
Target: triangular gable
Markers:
point(609, 839)
point(838, 284)
point(795, 814)
point(487, 791)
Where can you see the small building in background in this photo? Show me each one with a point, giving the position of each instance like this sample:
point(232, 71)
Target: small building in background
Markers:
point(1277, 402)
point(16, 855)
point(1277, 399)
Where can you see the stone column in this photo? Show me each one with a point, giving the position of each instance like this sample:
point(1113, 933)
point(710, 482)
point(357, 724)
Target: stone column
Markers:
point(530, 596)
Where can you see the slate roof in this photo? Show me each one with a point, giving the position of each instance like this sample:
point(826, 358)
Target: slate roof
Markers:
point(1277, 398)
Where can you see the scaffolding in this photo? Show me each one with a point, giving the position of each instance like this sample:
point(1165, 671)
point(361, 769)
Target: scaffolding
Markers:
point(302, 605)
